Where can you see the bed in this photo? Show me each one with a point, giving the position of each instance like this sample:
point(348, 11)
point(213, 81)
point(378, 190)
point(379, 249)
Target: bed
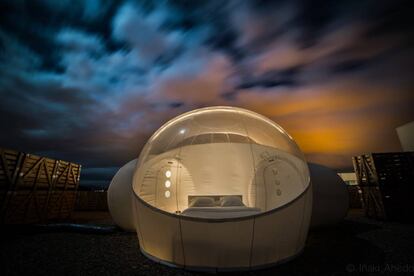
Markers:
point(216, 207)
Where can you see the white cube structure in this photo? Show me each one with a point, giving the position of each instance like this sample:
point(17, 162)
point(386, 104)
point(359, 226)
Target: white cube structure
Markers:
point(406, 135)
point(221, 188)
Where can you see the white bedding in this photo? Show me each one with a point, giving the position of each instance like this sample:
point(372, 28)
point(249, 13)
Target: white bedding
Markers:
point(220, 212)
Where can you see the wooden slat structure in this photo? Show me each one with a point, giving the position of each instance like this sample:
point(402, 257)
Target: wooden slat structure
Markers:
point(36, 189)
point(355, 197)
point(387, 184)
point(91, 201)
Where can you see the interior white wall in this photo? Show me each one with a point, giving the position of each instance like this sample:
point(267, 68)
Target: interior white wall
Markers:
point(223, 169)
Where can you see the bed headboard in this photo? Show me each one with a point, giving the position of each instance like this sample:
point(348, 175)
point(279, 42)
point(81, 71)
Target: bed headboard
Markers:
point(216, 198)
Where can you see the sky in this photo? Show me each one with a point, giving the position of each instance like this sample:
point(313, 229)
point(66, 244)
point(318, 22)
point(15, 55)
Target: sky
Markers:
point(90, 81)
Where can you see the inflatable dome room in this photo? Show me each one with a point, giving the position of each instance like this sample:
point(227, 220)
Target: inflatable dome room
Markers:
point(330, 199)
point(221, 188)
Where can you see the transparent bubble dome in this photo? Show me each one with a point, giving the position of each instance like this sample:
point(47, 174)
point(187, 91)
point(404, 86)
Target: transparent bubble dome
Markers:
point(220, 162)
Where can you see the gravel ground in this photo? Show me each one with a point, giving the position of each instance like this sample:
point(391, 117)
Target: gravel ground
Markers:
point(355, 246)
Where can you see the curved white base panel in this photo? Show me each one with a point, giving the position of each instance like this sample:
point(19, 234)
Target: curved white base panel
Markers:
point(242, 243)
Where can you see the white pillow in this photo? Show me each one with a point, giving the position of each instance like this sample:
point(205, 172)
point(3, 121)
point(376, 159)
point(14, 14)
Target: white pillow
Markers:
point(231, 201)
point(202, 202)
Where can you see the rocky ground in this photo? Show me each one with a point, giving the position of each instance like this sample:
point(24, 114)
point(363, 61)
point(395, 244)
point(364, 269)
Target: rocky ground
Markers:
point(356, 246)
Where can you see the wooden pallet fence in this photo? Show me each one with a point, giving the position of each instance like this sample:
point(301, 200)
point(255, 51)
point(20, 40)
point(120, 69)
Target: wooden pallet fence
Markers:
point(91, 201)
point(387, 184)
point(36, 189)
point(355, 197)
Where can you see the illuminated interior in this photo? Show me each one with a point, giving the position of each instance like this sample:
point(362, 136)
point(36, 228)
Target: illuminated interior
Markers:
point(220, 162)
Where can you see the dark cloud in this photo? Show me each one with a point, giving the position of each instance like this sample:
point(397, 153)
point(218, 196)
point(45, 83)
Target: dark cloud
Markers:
point(350, 66)
point(89, 81)
point(274, 78)
point(176, 104)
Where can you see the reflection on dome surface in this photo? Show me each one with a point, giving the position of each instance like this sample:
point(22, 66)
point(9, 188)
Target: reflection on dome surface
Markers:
point(220, 162)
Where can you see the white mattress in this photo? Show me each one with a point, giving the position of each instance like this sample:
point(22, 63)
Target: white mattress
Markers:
point(220, 212)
